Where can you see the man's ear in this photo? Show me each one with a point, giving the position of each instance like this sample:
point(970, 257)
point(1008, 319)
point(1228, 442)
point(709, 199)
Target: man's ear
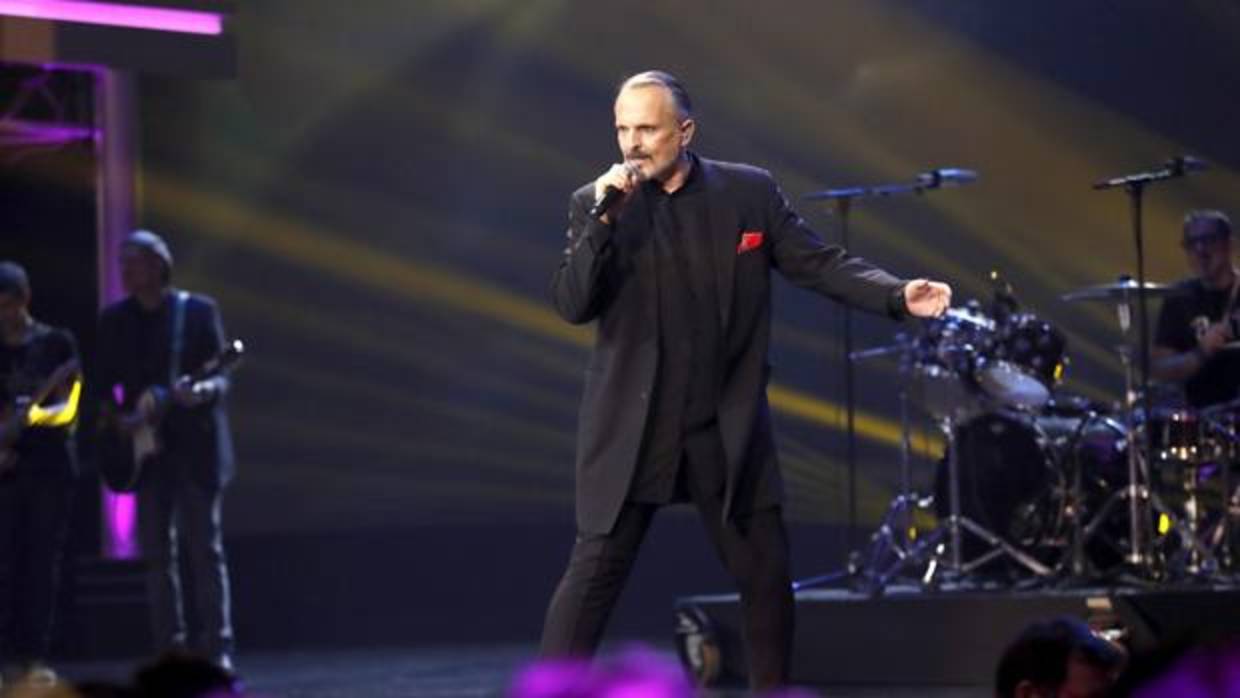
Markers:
point(687, 128)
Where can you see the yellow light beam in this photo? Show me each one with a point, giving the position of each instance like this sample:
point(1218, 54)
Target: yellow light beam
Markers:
point(334, 254)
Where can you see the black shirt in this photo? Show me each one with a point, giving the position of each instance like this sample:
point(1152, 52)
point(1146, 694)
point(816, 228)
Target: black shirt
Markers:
point(23, 370)
point(153, 337)
point(1193, 306)
point(686, 394)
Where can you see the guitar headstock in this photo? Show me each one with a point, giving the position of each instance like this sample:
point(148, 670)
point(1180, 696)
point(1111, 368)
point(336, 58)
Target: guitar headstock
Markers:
point(232, 353)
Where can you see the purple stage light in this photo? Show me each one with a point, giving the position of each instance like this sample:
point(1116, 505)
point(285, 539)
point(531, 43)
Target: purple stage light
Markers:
point(637, 672)
point(117, 15)
point(14, 132)
point(120, 512)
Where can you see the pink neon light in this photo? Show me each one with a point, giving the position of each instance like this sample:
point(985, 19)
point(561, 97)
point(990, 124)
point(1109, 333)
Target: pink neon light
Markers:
point(120, 515)
point(116, 15)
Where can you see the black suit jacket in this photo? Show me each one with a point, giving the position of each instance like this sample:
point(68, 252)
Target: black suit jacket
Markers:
point(607, 274)
point(197, 439)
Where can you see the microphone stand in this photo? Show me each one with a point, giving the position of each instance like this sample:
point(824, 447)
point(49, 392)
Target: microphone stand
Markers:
point(1134, 185)
point(843, 198)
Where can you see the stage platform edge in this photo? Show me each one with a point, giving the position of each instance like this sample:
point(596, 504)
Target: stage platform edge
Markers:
point(948, 638)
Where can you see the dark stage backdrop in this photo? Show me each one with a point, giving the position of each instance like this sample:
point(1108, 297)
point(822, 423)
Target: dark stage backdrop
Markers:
point(379, 200)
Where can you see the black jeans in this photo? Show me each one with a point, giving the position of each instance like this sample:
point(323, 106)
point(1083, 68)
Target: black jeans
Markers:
point(34, 519)
point(173, 510)
point(754, 550)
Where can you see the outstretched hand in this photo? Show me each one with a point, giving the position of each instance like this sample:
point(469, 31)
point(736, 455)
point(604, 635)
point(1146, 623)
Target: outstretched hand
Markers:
point(925, 298)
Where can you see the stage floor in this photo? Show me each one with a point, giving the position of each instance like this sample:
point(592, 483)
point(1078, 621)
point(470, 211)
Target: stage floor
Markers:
point(430, 672)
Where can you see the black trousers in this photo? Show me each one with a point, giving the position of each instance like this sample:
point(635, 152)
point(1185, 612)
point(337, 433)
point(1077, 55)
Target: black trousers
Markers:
point(754, 550)
point(34, 519)
point(173, 510)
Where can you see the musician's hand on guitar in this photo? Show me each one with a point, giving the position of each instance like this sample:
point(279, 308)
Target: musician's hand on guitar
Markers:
point(1214, 337)
point(188, 393)
point(183, 393)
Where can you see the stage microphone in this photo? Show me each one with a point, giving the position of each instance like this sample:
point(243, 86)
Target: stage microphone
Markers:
point(605, 202)
point(1183, 164)
point(612, 194)
point(946, 177)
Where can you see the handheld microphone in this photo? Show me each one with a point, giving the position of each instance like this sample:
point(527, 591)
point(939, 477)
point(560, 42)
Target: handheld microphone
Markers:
point(612, 194)
point(605, 202)
point(946, 177)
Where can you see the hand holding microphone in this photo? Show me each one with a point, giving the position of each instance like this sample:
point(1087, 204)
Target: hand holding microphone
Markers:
point(614, 185)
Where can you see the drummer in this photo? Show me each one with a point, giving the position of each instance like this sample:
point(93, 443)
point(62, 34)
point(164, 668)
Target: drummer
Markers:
point(1194, 344)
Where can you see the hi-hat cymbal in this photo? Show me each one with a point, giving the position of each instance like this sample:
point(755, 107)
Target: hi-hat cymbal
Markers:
point(1117, 291)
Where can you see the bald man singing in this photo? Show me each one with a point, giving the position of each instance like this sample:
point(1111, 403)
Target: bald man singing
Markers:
point(671, 254)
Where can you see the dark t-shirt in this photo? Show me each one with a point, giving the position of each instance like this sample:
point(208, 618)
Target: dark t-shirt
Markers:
point(153, 344)
point(1195, 306)
point(23, 370)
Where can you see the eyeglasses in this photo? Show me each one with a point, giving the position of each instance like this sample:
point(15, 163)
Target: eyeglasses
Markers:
point(1189, 243)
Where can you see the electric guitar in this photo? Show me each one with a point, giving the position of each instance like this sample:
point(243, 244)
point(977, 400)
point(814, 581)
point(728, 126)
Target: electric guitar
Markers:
point(123, 453)
point(13, 414)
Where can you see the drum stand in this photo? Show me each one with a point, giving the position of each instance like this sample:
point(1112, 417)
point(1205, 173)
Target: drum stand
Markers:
point(1077, 570)
point(1139, 556)
point(892, 548)
point(947, 543)
point(1219, 534)
point(1143, 503)
point(940, 554)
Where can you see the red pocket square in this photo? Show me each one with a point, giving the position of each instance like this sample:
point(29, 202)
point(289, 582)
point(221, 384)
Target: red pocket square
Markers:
point(750, 240)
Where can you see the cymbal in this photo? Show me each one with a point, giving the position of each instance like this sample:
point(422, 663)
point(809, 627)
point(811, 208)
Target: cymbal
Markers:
point(1118, 291)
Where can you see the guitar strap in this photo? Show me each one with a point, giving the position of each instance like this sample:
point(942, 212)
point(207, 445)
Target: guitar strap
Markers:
point(1231, 299)
point(178, 336)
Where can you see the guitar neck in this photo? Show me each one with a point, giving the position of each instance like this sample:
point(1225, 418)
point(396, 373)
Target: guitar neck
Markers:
point(225, 359)
point(54, 381)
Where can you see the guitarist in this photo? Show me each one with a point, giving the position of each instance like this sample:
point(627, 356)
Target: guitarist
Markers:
point(37, 472)
point(1197, 327)
point(146, 340)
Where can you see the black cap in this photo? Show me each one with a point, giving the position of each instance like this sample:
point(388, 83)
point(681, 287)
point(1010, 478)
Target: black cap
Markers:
point(146, 240)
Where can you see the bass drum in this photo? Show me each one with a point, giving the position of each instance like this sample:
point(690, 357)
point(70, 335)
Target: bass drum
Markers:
point(1016, 472)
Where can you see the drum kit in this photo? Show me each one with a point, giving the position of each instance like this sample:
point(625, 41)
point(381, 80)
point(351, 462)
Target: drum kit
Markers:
point(1038, 488)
